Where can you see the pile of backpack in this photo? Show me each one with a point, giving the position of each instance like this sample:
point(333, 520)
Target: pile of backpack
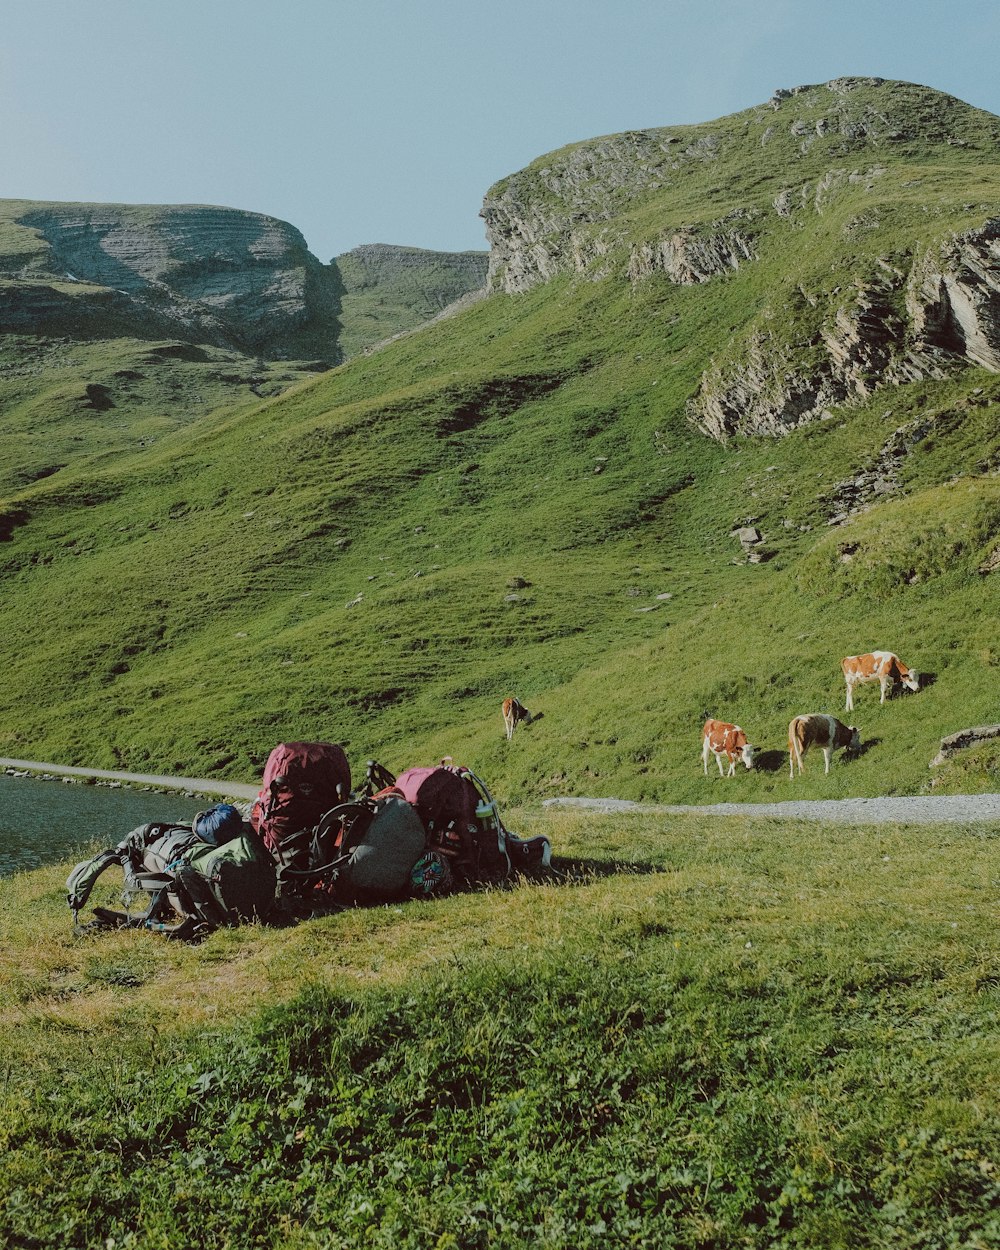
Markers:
point(312, 844)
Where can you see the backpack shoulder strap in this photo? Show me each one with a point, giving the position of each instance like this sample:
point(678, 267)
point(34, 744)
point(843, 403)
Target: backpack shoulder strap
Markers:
point(81, 880)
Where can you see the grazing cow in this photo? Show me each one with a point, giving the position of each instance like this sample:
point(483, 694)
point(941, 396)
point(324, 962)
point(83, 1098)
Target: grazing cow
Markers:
point(818, 730)
point(513, 713)
point(881, 666)
point(722, 739)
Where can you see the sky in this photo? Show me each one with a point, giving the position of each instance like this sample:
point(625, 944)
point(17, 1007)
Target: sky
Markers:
point(387, 121)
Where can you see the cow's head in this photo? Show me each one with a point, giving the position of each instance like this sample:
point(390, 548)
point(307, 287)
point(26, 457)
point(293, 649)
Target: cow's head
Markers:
point(855, 738)
point(747, 755)
point(912, 680)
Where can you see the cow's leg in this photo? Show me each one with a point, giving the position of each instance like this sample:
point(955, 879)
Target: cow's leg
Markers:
point(884, 684)
point(718, 760)
point(704, 755)
point(849, 706)
point(732, 767)
point(827, 757)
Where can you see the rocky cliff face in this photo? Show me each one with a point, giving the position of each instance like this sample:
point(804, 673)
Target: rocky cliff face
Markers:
point(214, 275)
point(539, 222)
point(950, 301)
point(953, 296)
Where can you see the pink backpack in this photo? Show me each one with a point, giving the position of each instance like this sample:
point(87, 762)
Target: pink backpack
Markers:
point(460, 818)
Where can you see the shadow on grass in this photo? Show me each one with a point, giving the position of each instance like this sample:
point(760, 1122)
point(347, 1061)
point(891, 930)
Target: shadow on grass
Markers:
point(580, 871)
point(770, 761)
point(866, 746)
point(562, 871)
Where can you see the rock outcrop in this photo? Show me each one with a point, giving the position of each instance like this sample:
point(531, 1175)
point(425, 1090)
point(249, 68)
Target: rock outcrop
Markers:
point(878, 479)
point(954, 295)
point(951, 298)
point(539, 221)
point(689, 255)
point(214, 275)
point(962, 740)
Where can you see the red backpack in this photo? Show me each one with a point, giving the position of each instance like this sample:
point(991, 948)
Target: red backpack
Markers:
point(302, 781)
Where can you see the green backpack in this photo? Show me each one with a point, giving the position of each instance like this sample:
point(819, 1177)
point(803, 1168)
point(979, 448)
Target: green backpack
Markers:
point(191, 886)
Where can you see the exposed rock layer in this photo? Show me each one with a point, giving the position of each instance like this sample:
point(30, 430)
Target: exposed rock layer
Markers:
point(214, 275)
point(219, 276)
point(952, 317)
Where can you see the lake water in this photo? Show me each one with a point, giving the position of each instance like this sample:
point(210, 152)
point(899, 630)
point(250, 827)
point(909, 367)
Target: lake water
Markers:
point(42, 822)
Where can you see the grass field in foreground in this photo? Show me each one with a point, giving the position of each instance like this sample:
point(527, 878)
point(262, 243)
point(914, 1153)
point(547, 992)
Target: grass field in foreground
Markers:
point(702, 1033)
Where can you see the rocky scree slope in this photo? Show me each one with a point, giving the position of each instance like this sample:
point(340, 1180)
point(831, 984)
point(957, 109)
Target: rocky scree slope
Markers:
point(890, 276)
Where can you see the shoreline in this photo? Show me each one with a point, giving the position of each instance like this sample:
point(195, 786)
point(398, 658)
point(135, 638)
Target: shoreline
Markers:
point(69, 772)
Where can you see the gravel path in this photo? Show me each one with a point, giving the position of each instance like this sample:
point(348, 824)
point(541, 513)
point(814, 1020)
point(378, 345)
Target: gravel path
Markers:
point(199, 785)
point(935, 809)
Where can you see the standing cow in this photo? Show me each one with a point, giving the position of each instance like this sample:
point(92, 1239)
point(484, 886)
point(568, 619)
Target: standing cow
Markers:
point(881, 666)
point(817, 729)
point(720, 739)
point(514, 712)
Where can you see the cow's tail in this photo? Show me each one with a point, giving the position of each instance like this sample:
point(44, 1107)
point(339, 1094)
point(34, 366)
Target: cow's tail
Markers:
point(796, 743)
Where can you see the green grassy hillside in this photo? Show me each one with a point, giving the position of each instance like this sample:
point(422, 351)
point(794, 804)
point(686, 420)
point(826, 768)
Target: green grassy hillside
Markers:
point(389, 290)
point(500, 502)
point(65, 400)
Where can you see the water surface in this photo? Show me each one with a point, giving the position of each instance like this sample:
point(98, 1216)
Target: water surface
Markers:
point(43, 822)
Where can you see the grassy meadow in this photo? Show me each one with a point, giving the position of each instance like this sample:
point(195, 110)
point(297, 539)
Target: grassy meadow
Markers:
point(697, 1033)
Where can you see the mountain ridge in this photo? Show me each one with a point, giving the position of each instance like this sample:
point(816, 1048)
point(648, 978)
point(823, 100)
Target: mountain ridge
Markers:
point(837, 139)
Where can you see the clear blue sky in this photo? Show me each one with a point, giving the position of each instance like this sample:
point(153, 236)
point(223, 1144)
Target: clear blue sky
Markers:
point(386, 121)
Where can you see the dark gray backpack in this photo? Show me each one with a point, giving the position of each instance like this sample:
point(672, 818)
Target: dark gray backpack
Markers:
point(360, 852)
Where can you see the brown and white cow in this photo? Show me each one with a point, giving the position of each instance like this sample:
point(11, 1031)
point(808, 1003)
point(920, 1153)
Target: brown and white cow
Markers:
point(722, 739)
point(513, 713)
point(881, 666)
point(817, 729)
